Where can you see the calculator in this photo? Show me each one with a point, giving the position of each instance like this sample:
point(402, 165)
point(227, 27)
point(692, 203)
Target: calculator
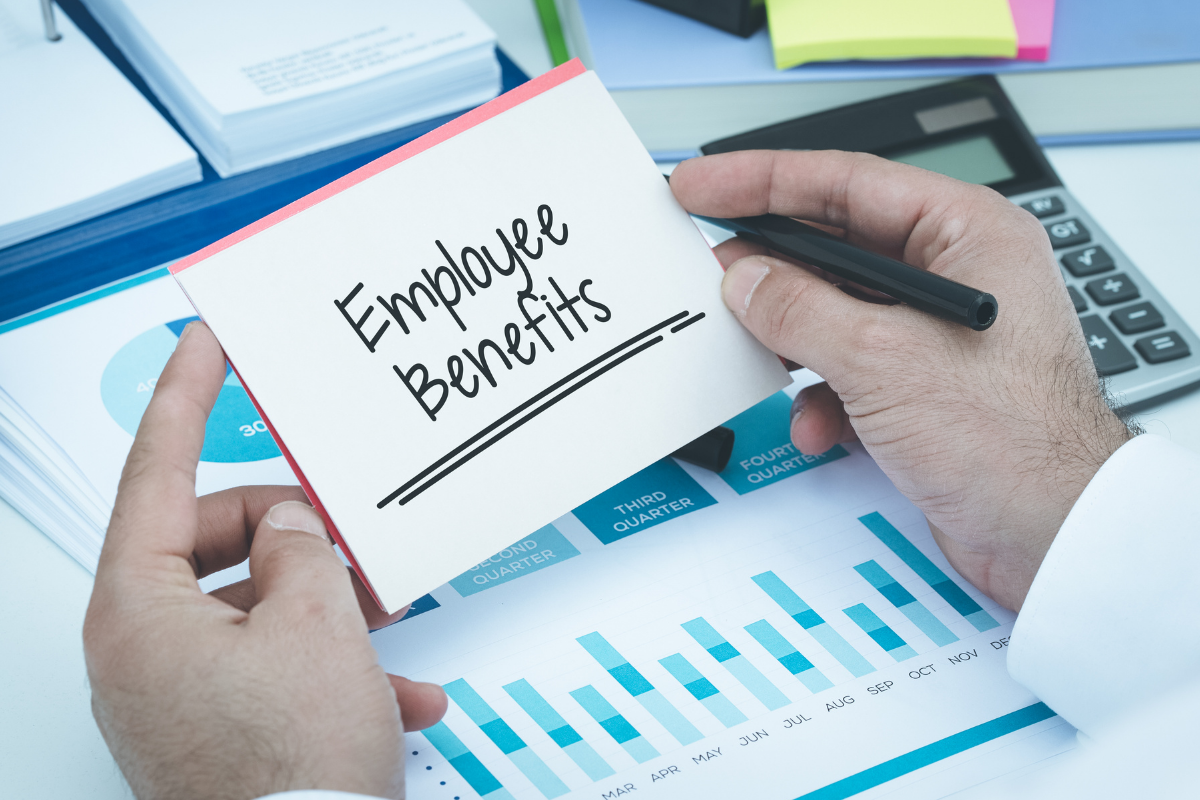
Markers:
point(968, 129)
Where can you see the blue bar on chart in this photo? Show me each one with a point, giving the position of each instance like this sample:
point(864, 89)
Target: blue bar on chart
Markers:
point(615, 724)
point(702, 689)
point(505, 738)
point(729, 657)
point(642, 690)
point(814, 623)
point(929, 572)
point(902, 599)
point(880, 631)
point(786, 653)
point(659, 493)
point(465, 763)
point(763, 452)
point(559, 730)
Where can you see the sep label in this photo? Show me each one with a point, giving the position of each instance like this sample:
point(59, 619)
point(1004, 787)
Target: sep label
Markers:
point(544, 548)
point(763, 452)
point(660, 492)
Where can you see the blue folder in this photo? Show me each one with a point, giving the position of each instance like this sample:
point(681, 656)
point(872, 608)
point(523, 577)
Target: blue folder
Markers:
point(172, 225)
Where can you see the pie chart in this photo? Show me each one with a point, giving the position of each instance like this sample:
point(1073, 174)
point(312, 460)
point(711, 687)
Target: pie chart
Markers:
point(235, 431)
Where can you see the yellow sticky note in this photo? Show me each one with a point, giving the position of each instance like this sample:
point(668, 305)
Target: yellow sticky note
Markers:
point(825, 30)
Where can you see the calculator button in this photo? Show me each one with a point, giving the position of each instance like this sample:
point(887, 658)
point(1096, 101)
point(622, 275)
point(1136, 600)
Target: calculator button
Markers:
point(1044, 206)
point(1088, 261)
point(1162, 347)
point(1137, 318)
point(1109, 355)
point(1068, 233)
point(1077, 299)
point(1113, 289)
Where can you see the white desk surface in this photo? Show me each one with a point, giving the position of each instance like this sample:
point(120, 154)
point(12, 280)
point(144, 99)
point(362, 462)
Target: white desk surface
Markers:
point(1146, 196)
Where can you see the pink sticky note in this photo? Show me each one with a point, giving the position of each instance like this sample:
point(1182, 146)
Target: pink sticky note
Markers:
point(1034, 20)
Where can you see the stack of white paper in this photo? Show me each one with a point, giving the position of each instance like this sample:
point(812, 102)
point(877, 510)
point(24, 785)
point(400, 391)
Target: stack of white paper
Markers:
point(76, 139)
point(258, 83)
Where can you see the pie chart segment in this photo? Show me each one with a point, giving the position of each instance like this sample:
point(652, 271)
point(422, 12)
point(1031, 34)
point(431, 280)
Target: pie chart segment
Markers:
point(235, 432)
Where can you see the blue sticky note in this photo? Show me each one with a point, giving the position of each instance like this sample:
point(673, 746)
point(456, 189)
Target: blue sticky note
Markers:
point(543, 548)
point(763, 452)
point(660, 492)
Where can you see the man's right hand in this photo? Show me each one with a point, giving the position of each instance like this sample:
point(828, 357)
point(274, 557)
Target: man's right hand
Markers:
point(993, 434)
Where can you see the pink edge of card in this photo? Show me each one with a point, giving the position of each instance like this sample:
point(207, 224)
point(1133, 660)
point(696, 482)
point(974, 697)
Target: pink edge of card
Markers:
point(466, 121)
point(1034, 20)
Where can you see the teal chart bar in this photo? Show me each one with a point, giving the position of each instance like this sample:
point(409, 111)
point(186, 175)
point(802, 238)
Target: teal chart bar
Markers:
point(880, 631)
point(786, 653)
point(505, 738)
point(902, 599)
point(702, 689)
point(814, 623)
point(559, 730)
point(929, 572)
point(614, 724)
point(641, 689)
point(465, 763)
point(728, 656)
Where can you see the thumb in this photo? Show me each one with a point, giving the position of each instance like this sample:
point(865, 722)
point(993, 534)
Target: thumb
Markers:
point(800, 316)
point(294, 567)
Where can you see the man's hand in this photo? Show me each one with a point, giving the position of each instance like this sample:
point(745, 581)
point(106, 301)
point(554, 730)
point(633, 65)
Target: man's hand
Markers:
point(263, 686)
point(993, 434)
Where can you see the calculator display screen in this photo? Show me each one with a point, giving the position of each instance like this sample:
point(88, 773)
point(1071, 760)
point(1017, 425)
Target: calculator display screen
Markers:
point(974, 160)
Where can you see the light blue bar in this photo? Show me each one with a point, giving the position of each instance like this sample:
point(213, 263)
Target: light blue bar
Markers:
point(614, 724)
point(880, 631)
point(464, 762)
point(759, 685)
point(787, 655)
point(559, 730)
point(703, 690)
point(538, 773)
point(814, 623)
point(903, 653)
point(589, 760)
point(504, 737)
point(669, 716)
point(909, 606)
point(737, 665)
point(640, 689)
point(929, 572)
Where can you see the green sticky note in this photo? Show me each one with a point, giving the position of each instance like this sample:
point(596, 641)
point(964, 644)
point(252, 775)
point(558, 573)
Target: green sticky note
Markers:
point(819, 30)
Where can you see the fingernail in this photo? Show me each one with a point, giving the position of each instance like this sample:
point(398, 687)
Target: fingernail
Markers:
point(797, 406)
point(186, 330)
point(742, 278)
point(296, 516)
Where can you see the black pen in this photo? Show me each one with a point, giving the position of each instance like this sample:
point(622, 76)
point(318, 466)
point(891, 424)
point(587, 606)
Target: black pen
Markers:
point(918, 288)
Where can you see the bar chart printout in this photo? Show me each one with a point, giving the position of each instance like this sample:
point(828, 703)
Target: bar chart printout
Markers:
point(642, 690)
point(929, 572)
point(505, 738)
point(728, 656)
point(814, 623)
point(559, 730)
point(702, 689)
point(615, 724)
point(786, 654)
point(880, 631)
point(902, 599)
point(465, 763)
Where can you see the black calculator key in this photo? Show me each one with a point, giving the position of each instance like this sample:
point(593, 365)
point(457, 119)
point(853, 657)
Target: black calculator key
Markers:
point(1068, 233)
point(1044, 206)
point(1077, 299)
point(1162, 347)
point(1109, 355)
point(1113, 289)
point(1088, 261)
point(1137, 318)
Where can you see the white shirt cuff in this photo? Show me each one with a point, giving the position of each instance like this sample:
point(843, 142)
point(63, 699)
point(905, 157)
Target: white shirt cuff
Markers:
point(1112, 616)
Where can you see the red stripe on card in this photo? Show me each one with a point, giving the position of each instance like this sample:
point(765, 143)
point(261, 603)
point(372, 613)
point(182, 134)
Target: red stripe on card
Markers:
point(470, 119)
